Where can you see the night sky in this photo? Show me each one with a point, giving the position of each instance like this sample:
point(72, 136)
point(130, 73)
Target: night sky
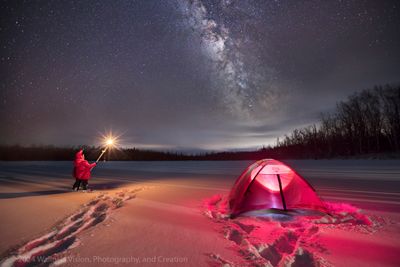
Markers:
point(186, 75)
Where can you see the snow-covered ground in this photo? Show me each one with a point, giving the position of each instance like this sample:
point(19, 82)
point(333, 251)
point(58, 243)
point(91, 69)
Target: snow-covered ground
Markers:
point(169, 213)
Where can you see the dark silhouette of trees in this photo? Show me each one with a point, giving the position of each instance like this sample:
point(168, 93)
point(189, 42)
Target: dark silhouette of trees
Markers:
point(368, 122)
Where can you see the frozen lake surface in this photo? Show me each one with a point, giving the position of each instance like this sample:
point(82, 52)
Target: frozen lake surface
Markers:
point(371, 183)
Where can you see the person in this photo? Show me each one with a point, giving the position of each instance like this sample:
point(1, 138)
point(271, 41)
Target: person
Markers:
point(82, 170)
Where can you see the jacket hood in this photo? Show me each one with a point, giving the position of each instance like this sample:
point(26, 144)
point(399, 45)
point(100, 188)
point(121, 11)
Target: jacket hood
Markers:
point(79, 155)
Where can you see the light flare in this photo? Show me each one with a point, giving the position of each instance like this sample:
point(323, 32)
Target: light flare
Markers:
point(109, 141)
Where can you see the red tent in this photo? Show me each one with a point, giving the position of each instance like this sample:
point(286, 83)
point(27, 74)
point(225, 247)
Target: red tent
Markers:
point(270, 184)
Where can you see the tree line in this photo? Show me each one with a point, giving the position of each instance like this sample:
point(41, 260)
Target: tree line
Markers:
point(368, 122)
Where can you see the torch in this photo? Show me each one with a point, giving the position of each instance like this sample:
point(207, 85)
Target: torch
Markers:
point(109, 142)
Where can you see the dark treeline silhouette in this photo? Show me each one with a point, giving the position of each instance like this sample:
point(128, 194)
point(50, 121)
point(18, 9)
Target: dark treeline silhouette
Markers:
point(9, 153)
point(367, 123)
point(17, 152)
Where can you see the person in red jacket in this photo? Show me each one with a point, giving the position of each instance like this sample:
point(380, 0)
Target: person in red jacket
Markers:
point(82, 170)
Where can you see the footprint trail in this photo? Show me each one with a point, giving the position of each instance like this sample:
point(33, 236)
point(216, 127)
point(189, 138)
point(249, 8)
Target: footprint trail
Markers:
point(43, 251)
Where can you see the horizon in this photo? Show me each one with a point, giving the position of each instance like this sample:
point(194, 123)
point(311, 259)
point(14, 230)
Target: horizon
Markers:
point(154, 149)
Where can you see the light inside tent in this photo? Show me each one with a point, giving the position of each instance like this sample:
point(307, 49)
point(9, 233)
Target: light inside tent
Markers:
point(268, 176)
point(275, 169)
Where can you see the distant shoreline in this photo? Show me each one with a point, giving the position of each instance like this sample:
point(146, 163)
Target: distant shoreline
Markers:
point(67, 154)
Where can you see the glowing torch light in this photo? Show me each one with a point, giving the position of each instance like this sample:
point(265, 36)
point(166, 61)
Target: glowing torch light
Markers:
point(109, 143)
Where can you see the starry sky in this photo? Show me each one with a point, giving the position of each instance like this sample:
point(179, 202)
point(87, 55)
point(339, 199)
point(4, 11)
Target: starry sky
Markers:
point(186, 75)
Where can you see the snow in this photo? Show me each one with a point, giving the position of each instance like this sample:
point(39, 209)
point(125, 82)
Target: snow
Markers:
point(158, 212)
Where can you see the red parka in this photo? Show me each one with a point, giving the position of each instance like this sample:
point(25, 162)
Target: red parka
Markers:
point(82, 167)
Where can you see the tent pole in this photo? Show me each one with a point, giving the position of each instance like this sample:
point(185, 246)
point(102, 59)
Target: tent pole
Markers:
point(255, 176)
point(280, 189)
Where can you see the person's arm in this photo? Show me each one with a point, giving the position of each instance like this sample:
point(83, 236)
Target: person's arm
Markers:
point(89, 166)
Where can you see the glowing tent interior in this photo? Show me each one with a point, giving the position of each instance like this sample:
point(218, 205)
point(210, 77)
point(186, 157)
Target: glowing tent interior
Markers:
point(270, 184)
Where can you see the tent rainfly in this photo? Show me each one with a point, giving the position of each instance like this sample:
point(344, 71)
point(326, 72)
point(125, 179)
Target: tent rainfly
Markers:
point(270, 184)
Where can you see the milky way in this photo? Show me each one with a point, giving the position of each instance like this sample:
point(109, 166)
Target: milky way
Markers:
point(186, 75)
point(241, 81)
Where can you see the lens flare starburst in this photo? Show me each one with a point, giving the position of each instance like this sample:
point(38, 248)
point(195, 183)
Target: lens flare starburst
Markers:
point(110, 140)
